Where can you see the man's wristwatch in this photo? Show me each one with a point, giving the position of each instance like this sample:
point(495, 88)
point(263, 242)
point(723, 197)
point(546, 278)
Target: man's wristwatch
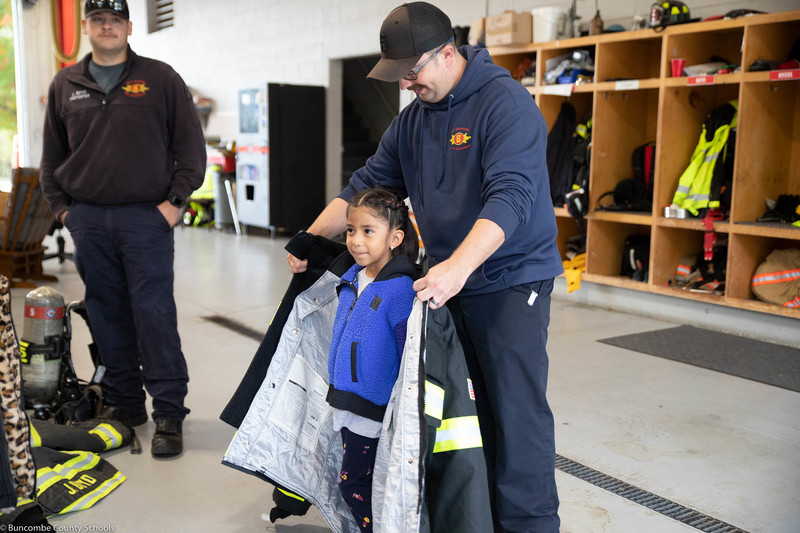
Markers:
point(177, 201)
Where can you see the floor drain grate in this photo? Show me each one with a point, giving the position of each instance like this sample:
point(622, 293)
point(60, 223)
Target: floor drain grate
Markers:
point(235, 326)
point(676, 511)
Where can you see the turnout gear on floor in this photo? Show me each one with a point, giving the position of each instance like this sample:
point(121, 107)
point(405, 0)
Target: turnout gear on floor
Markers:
point(70, 476)
point(429, 459)
point(48, 468)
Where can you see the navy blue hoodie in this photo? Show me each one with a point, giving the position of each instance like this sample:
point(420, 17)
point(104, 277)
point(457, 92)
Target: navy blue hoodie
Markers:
point(478, 153)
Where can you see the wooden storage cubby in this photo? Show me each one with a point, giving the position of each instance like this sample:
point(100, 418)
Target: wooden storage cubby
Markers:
point(770, 41)
point(605, 242)
point(550, 106)
point(635, 99)
point(623, 120)
point(567, 228)
point(683, 111)
point(769, 126)
point(512, 57)
point(745, 253)
point(721, 40)
point(618, 60)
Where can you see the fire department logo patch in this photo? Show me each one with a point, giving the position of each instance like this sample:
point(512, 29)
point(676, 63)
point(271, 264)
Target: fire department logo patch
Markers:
point(460, 139)
point(135, 88)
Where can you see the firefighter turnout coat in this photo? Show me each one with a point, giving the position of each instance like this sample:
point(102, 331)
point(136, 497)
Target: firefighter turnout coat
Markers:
point(430, 473)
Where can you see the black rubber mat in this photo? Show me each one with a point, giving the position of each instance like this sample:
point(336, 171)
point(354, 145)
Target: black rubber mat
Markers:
point(760, 361)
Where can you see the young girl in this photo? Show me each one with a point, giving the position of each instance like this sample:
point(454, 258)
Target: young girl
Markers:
point(369, 333)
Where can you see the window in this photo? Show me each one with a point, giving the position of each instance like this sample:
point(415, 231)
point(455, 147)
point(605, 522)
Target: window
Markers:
point(160, 15)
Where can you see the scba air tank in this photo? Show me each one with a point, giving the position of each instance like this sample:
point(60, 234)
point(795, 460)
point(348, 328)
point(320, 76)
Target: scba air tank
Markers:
point(41, 346)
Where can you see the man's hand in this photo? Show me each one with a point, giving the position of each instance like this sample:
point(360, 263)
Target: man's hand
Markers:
point(297, 265)
point(446, 279)
point(442, 282)
point(171, 213)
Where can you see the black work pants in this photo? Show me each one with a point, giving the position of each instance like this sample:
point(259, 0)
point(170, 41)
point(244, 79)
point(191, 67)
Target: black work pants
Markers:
point(125, 254)
point(504, 335)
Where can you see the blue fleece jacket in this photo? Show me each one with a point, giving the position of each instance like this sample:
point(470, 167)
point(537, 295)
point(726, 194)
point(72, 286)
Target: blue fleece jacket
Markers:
point(369, 333)
point(478, 153)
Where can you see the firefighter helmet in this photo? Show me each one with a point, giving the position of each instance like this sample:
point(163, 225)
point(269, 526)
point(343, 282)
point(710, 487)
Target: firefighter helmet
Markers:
point(668, 12)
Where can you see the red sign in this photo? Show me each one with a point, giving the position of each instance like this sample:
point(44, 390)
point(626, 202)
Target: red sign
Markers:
point(776, 75)
point(701, 80)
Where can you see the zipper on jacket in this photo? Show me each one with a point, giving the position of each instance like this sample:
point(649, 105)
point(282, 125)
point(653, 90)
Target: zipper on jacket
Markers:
point(105, 101)
point(355, 299)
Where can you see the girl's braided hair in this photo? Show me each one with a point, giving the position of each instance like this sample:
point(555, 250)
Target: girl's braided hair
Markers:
point(391, 208)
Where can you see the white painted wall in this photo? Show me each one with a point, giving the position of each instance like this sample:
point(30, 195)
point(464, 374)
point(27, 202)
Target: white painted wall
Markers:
point(220, 46)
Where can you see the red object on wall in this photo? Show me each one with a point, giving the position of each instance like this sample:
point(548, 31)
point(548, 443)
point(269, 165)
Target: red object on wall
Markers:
point(68, 41)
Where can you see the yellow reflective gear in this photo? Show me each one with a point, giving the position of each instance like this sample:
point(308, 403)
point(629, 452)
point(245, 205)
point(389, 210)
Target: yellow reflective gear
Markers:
point(434, 400)
point(290, 494)
point(458, 434)
point(36, 439)
point(98, 493)
point(694, 185)
point(111, 437)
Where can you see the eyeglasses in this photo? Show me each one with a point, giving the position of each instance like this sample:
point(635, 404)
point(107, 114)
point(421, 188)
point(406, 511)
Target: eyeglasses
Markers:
point(412, 74)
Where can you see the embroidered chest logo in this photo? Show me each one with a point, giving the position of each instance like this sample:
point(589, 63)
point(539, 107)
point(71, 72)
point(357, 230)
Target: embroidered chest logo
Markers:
point(460, 139)
point(80, 94)
point(135, 88)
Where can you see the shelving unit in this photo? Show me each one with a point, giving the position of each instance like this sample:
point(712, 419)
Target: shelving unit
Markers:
point(634, 100)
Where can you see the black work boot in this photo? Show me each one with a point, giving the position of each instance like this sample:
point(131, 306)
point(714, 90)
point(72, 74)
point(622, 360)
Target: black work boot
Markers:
point(168, 438)
point(129, 418)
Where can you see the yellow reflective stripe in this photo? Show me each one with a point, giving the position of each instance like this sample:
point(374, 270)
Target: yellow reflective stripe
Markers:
point(458, 434)
point(46, 477)
point(23, 351)
point(96, 494)
point(111, 437)
point(20, 503)
point(36, 439)
point(290, 494)
point(434, 400)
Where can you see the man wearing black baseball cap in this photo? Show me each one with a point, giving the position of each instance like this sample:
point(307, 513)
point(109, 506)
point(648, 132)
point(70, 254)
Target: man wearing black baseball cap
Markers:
point(122, 150)
point(469, 152)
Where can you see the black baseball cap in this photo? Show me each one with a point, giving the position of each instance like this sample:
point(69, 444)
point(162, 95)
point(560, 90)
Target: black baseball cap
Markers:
point(118, 7)
point(408, 32)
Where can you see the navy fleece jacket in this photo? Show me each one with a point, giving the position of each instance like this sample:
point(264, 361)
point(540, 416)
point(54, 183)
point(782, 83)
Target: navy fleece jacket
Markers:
point(478, 153)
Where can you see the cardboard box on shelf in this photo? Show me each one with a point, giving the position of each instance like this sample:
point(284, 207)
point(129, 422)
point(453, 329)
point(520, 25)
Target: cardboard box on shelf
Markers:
point(509, 28)
point(477, 32)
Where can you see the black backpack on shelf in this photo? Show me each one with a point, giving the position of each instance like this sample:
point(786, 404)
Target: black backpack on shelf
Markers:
point(636, 257)
point(636, 193)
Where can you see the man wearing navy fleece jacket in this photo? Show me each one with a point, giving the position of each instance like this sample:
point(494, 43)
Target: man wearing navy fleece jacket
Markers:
point(469, 152)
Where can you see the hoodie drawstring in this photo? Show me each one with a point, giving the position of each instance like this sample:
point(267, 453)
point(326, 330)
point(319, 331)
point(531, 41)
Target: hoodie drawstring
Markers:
point(420, 166)
point(444, 148)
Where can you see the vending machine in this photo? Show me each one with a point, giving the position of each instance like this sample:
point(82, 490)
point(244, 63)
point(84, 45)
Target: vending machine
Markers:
point(280, 161)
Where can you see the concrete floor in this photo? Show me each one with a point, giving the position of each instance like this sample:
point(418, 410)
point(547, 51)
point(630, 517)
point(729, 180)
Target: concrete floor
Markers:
point(721, 445)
